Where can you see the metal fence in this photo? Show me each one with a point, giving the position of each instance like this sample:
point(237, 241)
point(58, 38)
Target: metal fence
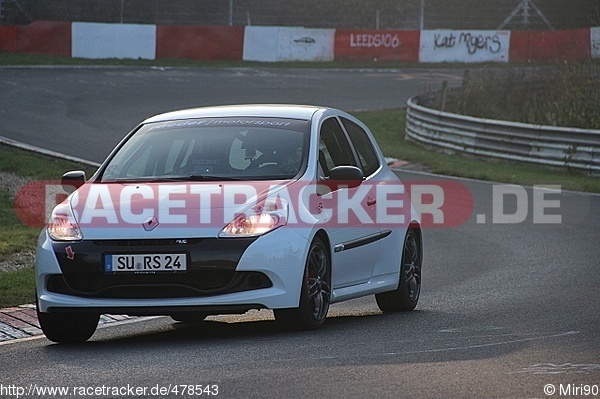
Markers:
point(365, 14)
point(547, 145)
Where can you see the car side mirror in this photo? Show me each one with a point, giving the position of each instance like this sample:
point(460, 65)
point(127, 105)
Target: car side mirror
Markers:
point(72, 180)
point(346, 175)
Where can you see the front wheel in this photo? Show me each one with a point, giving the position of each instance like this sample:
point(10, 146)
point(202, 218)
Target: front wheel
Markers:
point(68, 327)
point(406, 296)
point(315, 294)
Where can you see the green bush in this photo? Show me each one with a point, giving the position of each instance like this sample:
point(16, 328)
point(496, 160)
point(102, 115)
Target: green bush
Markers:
point(567, 94)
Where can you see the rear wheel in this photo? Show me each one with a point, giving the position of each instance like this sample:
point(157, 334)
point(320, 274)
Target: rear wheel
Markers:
point(406, 296)
point(315, 294)
point(68, 327)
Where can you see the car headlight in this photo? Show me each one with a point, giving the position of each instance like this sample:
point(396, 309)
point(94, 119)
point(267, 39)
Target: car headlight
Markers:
point(258, 220)
point(62, 225)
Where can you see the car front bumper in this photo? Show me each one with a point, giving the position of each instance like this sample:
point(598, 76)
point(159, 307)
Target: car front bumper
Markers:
point(266, 272)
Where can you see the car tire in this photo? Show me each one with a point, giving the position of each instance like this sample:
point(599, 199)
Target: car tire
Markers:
point(68, 327)
point(406, 296)
point(315, 293)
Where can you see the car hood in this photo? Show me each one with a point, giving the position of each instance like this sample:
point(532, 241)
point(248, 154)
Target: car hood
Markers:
point(165, 210)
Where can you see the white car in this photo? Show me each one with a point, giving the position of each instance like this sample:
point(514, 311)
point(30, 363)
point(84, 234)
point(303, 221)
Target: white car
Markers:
point(221, 210)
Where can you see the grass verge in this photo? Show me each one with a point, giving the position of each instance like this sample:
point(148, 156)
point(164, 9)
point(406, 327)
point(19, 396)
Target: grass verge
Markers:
point(17, 287)
point(16, 237)
point(15, 59)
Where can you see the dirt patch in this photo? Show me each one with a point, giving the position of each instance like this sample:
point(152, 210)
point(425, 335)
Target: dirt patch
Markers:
point(18, 261)
point(12, 183)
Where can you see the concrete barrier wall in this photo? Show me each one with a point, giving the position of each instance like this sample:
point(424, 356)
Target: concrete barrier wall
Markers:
point(377, 45)
point(464, 46)
point(280, 44)
point(8, 38)
point(97, 40)
point(274, 44)
point(200, 42)
point(260, 43)
point(550, 45)
point(302, 44)
point(45, 37)
point(595, 42)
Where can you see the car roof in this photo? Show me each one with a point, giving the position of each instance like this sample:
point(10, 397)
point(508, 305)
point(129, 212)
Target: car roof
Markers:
point(303, 112)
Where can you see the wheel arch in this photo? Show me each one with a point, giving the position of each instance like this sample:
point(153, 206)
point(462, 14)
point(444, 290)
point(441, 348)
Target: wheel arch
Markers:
point(322, 234)
point(416, 227)
point(324, 237)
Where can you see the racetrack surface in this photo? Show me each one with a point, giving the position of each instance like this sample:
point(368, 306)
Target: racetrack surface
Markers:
point(85, 112)
point(506, 310)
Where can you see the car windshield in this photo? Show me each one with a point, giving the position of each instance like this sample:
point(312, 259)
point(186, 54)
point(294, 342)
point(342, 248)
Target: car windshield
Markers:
point(212, 149)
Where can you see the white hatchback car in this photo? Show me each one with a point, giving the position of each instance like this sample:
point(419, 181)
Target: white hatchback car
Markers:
point(221, 210)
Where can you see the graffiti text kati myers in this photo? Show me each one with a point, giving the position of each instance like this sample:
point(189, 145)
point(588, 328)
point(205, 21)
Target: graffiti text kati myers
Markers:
point(473, 42)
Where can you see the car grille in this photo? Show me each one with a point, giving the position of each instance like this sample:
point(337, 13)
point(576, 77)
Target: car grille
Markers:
point(144, 288)
point(211, 269)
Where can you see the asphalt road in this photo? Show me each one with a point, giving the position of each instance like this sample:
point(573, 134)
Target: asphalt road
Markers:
point(505, 310)
point(86, 111)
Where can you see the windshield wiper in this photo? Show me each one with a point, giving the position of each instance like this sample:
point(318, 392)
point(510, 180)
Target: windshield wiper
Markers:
point(194, 176)
point(130, 180)
point(159, 179)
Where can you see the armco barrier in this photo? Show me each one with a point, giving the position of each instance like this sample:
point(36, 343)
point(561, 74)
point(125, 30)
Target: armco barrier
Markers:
point(547, 145)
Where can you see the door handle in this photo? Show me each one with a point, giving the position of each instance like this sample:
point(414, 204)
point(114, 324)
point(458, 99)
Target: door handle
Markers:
point(371, 201)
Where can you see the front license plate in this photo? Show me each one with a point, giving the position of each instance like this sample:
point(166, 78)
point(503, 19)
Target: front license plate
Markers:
point(145, 263)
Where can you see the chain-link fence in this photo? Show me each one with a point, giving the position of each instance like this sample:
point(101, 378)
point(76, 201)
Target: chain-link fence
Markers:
point(357, 14)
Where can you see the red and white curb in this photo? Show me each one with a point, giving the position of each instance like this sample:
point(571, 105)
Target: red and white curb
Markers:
point(21, 322)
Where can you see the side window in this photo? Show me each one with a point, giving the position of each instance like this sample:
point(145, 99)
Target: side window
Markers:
point(363, 146)
point(334, 149)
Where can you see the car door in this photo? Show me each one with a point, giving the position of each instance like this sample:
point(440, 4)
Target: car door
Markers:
point(352, 223)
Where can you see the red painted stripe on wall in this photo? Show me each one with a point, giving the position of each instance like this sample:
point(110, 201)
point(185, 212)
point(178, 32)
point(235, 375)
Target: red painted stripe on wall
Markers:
point(383, 45)
point(45, 37)
point(550, 45)
point(226, 43)
point(200, 42)
point(8, 38)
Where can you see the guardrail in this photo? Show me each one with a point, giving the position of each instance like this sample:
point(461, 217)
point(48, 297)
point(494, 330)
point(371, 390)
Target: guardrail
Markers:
point(547, 145)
